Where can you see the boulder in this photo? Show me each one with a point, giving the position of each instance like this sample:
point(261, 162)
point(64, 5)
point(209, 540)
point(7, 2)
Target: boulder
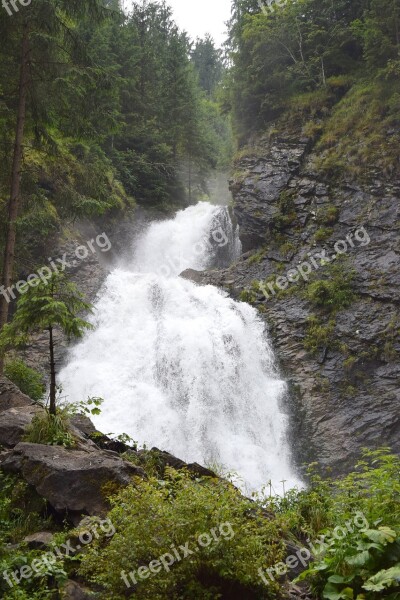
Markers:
point(13, 424)
point(74, 591)
point(83, 424)
point(194, 276)
point(11, 396)
point(168, 460)
point(75, 482)
point(39, 540)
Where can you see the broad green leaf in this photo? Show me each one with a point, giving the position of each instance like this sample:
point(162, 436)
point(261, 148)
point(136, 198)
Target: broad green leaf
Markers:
point(340, 579)
point(383, 579)
point(382, 535)
point(359, 560)
point(331, 592)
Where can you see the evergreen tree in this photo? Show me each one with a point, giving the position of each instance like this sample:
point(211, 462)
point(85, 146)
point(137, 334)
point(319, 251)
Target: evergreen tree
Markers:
point(208, 63)
point(43, 306)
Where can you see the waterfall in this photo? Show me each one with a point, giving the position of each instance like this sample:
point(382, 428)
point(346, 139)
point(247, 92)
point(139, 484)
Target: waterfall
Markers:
point(183, 367)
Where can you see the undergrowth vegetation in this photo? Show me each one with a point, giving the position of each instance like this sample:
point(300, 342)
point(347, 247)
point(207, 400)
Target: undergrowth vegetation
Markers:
point(28, 380)
point(228, 538)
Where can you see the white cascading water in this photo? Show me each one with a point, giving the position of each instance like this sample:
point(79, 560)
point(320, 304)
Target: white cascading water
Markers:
point(181, 366)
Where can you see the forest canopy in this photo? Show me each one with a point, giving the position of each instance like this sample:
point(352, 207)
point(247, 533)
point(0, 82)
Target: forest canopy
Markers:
point(307, 54)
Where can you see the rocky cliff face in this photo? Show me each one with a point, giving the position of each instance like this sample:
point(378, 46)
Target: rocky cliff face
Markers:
point(322, 265)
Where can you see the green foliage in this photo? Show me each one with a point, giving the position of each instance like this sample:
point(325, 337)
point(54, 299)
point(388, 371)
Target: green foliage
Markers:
point(257, 257)
point(19, 516)
point(319, 334)
point(284, 58)
point(119, 109)
point(328, 67)
point(52, 430)
point(44, 305)
point(155, 515)
point(29, 381)
point(323, 234)
point(329, 294)
point(328, 215)
point(355, 137)
point(286, 212)
point(249, 296)
point(91, 406)
point(208, 63)
point(55, 430)
point(364, 564)
point(334, 293)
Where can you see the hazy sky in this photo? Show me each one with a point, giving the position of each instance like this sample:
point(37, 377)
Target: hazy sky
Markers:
point(199, 17)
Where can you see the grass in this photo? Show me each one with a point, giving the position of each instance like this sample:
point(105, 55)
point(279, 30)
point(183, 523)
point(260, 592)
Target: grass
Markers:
point(52, 430)
point(355, 137)
point(28, 380)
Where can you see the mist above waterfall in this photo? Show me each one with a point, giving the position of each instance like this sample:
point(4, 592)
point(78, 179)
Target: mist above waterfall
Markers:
point(184, 367)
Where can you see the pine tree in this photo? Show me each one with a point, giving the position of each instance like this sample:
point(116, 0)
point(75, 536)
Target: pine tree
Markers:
point(43, 306)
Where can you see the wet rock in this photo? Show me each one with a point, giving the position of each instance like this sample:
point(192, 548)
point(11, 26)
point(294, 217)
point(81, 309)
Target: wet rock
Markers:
point(83, 424)
point(194, 276)
point(256, 199)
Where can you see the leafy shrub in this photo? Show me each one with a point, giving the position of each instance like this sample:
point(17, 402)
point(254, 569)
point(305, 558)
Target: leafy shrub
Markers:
point(286, 214)
point(91, 406)
point(330, 294)
point(155, 516)
point(248, 296)
point(29, 381)
point(54, 430)
point(365, 564)
point(16, 521)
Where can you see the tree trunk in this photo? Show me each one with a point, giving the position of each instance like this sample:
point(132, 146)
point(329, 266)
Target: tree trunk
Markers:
point(396, 25)
point(190, 178)
point(53, 388)
point(14, 199)
point(323, 71)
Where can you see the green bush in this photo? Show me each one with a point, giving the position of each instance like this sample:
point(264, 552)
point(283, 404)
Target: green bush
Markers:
point(286, 214)
point(29, 381)
point(331, 295)
point(365, 564)
point(18, 519)
point(153, 517)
